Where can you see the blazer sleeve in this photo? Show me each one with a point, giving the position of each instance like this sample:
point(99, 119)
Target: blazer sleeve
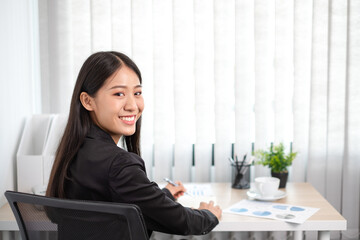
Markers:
point(129, 184)
point(168, 194)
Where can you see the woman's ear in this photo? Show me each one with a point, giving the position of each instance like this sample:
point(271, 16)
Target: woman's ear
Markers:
point(86, 101)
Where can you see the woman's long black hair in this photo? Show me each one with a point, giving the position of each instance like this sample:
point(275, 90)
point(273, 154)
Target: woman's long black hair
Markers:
point(94, 72)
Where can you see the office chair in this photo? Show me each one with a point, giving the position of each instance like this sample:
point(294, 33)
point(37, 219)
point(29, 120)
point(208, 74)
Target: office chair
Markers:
point(46, 218)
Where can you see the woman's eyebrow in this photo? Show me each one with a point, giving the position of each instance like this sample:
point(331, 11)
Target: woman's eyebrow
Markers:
point(125, 86)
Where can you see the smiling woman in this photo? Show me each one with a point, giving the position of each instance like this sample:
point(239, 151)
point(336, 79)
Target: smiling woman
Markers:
point(106, 106)
point(95, 76)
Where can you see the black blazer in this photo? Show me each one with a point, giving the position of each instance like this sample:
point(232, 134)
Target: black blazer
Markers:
point(102, 171)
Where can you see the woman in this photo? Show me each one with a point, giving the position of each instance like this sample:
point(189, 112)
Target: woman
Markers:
point(106, 106)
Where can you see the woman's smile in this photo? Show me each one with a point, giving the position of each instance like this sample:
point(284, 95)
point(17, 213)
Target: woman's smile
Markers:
point(130, 120)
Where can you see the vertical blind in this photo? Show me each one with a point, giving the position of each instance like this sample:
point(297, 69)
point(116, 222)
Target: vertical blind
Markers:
point(217, 73)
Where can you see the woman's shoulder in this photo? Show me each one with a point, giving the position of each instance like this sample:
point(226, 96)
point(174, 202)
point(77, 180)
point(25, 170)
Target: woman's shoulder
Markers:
point(110, 150)
point(106, 153)
point(99, 147)
point(106, 158)
point(125, 158)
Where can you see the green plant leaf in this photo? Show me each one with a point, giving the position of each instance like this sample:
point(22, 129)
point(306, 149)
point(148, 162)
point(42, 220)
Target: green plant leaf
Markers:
point(275, 158)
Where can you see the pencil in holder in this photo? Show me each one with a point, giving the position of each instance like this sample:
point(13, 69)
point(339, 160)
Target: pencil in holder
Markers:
point(240, 176)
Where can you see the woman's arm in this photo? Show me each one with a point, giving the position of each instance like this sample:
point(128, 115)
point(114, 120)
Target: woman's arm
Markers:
point(130, 185)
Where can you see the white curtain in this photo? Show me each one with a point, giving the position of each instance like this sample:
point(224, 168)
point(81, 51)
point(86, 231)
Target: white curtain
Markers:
point(222, 72)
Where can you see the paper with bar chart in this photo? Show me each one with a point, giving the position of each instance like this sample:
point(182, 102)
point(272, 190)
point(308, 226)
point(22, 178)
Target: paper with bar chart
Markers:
point(197, 193)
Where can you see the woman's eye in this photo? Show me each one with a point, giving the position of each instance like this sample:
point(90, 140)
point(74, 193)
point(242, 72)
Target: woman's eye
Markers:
point(138, 93)
point(119, 94)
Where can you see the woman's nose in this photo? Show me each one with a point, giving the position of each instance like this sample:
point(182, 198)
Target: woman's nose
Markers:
point(130, 104)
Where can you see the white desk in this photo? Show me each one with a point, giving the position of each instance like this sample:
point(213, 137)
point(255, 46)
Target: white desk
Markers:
point(7, 222)
point(325, 220)
point(302, 194)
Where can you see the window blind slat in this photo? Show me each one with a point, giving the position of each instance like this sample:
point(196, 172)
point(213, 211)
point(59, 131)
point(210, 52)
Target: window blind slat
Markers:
point(204, 74)
point(163, 88)
point(184, 86)
point(121, 33)
point(283, 71)
point(351, 180)
point(142, 52)
point(224, 62)
point(244, 77)
point(81, 33)
point(336, 101)
point(204, 88)
point(264, 77)
point(60, 43)
point(319, 101)
point(101, 25)
point(302, 86)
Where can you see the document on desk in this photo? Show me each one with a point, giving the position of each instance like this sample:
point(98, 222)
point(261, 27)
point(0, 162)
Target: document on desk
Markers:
point(197, 193)
point(282, 212)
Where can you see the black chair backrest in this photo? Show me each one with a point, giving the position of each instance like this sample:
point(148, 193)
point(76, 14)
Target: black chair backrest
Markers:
point(40, 217)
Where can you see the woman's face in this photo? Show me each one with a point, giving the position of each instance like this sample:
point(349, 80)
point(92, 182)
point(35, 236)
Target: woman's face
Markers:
point(118, 104)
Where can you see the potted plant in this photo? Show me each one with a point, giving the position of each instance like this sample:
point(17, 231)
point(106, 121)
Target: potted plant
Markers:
point(276, 159)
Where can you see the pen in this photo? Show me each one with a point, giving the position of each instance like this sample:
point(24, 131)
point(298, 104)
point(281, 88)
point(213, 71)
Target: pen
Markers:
point(238, 166)
point(231, 160)
point(171, 182)
point(243, 161)
point(174, 184)
point(248, 163)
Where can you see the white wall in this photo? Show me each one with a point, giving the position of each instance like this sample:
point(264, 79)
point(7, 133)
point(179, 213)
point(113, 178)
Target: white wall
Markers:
point(19, 82)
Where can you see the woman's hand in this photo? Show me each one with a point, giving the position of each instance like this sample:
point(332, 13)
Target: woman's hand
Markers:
point(216, 210)
point(176, 191)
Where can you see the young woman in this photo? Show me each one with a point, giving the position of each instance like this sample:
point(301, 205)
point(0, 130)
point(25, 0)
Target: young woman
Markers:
point(106, 106)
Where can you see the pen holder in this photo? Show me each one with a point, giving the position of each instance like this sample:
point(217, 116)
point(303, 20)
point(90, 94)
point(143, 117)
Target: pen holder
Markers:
point(240, 176)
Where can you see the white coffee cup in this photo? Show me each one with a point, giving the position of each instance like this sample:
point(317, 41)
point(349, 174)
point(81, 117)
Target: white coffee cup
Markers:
point(267, 186)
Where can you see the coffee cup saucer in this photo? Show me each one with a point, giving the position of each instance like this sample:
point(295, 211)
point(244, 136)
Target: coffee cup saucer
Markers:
point(254, 194)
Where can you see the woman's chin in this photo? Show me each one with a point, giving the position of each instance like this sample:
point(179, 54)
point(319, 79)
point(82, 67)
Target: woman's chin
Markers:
point(129, 133)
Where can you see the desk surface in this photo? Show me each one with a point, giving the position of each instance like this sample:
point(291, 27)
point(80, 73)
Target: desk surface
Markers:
point(302, 194)
point(7, 219)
